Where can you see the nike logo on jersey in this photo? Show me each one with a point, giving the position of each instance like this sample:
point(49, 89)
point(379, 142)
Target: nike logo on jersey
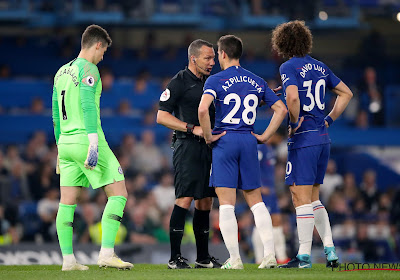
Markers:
point(177, 230)
point(193, 85)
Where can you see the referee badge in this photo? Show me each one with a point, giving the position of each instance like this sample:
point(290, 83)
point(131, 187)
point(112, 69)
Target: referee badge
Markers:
point(120, 170)
point(165, 95)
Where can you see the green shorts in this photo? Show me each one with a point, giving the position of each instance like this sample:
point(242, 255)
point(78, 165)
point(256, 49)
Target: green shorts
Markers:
point(74, 174)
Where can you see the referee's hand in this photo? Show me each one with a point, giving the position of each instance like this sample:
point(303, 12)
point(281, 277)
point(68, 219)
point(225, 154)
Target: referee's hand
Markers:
point(198, 131)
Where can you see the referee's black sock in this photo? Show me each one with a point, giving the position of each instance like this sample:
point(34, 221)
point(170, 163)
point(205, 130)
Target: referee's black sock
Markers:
point(201, 228)
point(176, 227)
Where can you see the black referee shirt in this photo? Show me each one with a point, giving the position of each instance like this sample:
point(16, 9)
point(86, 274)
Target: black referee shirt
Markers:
point(182, 97)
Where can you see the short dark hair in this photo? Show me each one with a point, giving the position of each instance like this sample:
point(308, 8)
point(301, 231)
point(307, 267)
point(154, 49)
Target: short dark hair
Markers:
point(195, 46)
point(231, 45)
point(292, 38)
point(93, 34)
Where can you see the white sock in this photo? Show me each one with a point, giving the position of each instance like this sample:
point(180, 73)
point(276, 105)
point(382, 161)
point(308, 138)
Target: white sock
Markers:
point(322, 223)
point(263, 222)
point(69, 259)
point(305, 228)
point(229, 229)
point(106, 252)
point(258, 247)
point(280, 243)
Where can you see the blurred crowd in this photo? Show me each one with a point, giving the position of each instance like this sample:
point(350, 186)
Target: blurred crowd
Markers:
point(292, 9)
point(361, 214)
point(146, 8)
point(148, 69)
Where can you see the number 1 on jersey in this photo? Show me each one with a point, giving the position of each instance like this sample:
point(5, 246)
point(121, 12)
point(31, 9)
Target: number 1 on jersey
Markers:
point(64, 113)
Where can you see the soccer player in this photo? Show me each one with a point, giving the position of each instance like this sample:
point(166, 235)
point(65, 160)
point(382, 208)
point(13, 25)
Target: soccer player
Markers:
point(236, 93)
point(304, 81)
point(83, 153)
point(267, 159)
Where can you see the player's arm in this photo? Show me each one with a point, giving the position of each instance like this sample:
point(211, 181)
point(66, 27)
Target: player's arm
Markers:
point(289, 82)
point(204, 119)
point(343, 98)
point(88, 103)
point(204, 116)
point(275, 90)
point(56, 115)
point(56, 123)
point(293, 103)
point(280, 112)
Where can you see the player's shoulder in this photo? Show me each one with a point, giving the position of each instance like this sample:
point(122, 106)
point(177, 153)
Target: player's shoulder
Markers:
point(62, 69)
point(66, 65)
point(251, 74)
point(316, 61)
point(214, 78)
point(288, 64)
point(87, 67)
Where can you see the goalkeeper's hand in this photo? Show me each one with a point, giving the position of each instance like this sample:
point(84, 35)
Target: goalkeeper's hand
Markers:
point(93, 151)
point(58, 165)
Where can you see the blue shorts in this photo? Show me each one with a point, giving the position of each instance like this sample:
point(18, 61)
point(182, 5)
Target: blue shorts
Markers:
point(271, 202)
point(307, 166)
point(235, 162)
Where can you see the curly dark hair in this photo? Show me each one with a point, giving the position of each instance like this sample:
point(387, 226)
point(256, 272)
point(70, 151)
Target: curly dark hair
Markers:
point(292, 38)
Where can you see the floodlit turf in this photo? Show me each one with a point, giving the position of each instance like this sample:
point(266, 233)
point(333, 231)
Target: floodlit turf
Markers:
point(155, 272)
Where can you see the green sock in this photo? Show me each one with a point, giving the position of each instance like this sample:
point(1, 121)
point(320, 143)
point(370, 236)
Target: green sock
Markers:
point(65, 217)
point(111, 220)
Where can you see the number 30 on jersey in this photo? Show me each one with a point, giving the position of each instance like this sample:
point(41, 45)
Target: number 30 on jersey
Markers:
point(319, 86)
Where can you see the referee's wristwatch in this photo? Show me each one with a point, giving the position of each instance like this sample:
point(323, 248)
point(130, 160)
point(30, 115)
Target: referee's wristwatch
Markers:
point(190, 128)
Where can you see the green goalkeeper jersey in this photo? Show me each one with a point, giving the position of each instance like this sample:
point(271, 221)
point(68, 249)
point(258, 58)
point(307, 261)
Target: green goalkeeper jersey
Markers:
point(76, 103)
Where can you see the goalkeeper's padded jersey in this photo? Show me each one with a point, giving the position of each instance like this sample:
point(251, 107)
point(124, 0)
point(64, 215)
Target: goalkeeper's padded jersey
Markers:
point(76, 103)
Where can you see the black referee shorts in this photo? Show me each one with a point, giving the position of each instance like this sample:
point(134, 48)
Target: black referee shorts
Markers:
point(192, 164)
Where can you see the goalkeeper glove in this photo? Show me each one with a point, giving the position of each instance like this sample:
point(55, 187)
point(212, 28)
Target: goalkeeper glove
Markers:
point(93, 151)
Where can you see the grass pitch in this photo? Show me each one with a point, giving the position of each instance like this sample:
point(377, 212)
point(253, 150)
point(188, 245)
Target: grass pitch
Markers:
point(155, 272)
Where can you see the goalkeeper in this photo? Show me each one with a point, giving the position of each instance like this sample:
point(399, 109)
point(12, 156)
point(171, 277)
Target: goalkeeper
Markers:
point(84, 156)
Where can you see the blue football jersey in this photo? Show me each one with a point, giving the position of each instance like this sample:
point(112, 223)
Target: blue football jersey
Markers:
point(311, 77)
point(267, 159)
point(237, 94)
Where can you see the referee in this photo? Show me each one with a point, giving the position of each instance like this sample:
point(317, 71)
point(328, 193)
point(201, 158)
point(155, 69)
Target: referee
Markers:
point(192, 156)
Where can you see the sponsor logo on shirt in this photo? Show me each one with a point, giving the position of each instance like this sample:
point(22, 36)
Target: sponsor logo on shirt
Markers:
point(165, 95)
